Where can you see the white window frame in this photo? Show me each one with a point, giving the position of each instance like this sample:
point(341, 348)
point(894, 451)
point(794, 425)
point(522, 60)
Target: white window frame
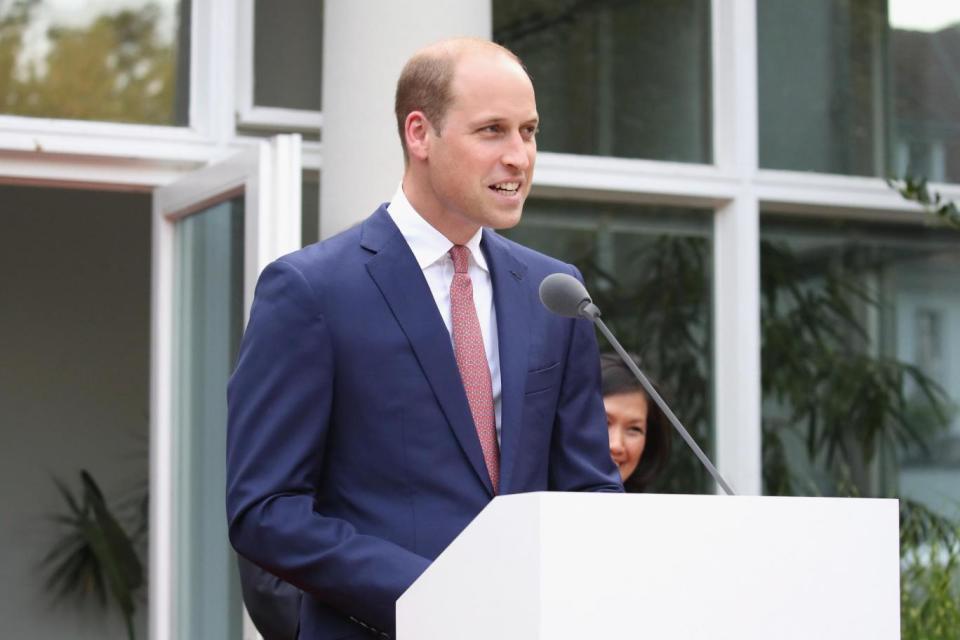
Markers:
point(134, 154)
point(249, 114)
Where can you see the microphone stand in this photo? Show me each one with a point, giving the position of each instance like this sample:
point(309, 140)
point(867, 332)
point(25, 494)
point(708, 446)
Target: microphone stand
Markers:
point(591, 311)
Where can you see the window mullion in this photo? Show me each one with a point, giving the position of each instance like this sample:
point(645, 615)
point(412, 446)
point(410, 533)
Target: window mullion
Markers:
point(213, 63)
point(736, 248)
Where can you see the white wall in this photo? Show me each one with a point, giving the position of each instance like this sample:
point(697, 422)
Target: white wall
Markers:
point(74, 342)
point(365, 45)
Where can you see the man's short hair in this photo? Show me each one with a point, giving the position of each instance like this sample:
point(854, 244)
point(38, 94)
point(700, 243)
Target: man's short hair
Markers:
point(426, 79)
point(424, 85)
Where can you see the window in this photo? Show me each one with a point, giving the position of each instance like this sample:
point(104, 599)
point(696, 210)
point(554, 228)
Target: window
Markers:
point(288, 36)
point(859, 351)
point(625, 79)
point(860, 87)
point(649, 270)
point(281, 79)
point(114, 60)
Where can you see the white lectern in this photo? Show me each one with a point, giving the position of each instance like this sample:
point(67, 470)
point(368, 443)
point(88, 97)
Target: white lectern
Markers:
point(577, 566)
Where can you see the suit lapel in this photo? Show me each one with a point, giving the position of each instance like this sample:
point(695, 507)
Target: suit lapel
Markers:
point(511, 297)
point(400, 279)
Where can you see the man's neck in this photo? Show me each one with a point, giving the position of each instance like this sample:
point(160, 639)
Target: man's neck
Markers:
point(428, 208)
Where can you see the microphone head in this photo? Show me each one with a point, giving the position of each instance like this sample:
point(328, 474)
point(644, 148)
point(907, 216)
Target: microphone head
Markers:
point(564, 295)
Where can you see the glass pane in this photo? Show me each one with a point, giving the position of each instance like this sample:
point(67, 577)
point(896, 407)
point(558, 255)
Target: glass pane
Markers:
point(628, 79)
point(860, 87)
point(310, 210)
point(288, 35)
point(209, 299)
point(861, 361)
point(649, 269)
point(115, 60)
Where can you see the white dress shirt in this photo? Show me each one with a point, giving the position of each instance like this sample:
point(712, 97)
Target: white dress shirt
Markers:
point(430, 248)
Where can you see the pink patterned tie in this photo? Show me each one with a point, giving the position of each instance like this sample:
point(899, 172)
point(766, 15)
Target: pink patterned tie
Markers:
point(472, 361)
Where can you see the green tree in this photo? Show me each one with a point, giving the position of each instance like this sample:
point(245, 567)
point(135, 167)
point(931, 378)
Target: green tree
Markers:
point(14, 19)
point(116, 68)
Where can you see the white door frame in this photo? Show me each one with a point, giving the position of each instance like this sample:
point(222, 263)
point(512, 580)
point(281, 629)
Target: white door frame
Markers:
point(268, 175)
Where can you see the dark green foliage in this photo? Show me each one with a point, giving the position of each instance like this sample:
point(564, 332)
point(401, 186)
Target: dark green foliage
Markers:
point(929, 574)
point(919, 526)
point(929, 570)
point(95, 557)
point(917, 190)
point(844, 402)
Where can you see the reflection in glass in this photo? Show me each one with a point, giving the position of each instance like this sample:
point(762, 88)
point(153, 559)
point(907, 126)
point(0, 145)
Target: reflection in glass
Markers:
point(209, 316)
point(861, 385)
point(925, 55)
point(649, 270)
point(287, 50)
point(860, 87)
point(114, 60)
point(860, 354)
point(613, 78)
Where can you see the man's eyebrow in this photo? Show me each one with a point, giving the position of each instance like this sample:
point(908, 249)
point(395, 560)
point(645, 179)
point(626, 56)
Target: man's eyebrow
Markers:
point(493, 118)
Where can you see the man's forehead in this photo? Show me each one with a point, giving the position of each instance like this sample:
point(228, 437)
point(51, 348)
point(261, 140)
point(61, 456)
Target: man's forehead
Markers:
point(478, 78)
point(476, 111)
point(480, 59)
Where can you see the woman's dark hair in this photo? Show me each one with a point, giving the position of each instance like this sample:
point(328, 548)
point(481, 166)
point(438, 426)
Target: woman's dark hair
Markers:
point(616, 378)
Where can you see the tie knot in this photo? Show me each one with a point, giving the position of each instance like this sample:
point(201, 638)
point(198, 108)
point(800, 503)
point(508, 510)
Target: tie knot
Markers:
point(460, 255)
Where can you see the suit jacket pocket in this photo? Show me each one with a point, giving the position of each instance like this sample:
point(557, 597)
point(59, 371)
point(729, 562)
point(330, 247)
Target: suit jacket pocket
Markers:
point(543, 378)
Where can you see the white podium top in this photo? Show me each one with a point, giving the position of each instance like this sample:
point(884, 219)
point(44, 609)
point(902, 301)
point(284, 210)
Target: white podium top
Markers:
point(566, 566)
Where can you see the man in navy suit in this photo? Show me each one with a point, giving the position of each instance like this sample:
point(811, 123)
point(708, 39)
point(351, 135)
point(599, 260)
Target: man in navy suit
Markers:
point(355, 450)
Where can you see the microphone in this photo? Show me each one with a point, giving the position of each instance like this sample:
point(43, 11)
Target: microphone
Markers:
point(564, 295)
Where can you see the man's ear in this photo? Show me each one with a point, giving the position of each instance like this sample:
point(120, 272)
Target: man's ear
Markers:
point(416, 130)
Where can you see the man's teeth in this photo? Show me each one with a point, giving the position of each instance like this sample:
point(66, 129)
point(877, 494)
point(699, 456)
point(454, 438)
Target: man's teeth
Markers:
point(507, 186)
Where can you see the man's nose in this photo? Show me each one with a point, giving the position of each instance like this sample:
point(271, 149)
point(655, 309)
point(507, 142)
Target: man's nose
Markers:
point(516, 153)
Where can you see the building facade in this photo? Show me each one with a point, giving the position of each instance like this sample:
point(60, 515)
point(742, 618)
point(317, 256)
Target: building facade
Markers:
point(716, 168)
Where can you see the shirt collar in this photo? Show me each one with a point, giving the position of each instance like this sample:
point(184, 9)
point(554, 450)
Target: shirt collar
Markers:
point(427, 244)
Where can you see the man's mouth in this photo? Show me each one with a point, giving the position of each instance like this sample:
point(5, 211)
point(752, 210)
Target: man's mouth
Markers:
point(507, 188)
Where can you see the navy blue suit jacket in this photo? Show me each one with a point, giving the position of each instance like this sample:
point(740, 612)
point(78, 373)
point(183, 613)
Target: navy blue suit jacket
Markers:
point(352, 456)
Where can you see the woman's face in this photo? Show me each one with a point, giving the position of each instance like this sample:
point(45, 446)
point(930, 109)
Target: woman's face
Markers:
point(627, 428)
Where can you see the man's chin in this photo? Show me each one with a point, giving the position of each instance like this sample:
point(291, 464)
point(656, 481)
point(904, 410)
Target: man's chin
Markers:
point(506, 219)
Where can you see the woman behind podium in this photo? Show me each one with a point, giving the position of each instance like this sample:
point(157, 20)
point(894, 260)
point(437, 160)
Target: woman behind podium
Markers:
point(638, 430)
